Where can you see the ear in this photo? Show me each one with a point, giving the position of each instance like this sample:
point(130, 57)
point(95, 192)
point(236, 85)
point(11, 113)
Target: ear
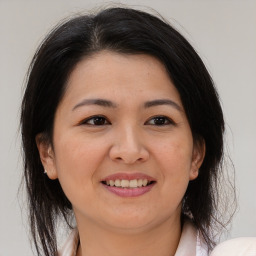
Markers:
point(198, 155)
point(47, 156)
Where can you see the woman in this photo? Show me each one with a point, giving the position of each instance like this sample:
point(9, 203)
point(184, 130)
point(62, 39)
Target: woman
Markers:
point(122, 127)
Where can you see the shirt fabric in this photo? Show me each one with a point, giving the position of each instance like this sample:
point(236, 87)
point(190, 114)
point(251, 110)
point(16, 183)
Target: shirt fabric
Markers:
point(190, 243)
point(243, 246)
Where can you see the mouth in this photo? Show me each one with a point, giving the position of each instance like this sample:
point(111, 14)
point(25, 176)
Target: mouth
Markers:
point(128, 185)
point(131, 184)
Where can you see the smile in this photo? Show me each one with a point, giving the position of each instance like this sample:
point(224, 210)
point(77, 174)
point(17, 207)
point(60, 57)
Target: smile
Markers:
point(128, 184)
point(136, 183)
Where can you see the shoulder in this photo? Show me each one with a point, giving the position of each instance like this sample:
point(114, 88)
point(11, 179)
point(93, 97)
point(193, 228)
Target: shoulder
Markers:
point(243, 246)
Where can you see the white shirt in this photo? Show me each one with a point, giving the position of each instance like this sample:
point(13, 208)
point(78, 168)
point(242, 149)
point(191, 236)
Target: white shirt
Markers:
point(243, 246)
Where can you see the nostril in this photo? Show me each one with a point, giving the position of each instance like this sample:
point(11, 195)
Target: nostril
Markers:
point(128, 155)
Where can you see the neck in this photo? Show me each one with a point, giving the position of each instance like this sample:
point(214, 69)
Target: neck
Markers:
point(159, 240)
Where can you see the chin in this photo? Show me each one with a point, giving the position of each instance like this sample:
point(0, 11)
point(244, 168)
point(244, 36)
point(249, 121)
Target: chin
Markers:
point(132, 222)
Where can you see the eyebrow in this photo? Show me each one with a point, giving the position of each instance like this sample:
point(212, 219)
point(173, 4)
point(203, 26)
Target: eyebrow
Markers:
point(160, 102)
point(99, 102)
point(110, 104)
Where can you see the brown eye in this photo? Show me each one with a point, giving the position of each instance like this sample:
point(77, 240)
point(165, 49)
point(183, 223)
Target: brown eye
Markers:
point(160, 121)
point(96, 120)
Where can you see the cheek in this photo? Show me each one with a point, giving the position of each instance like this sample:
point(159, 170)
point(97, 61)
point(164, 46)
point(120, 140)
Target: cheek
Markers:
point(175, 154)
point(174, 158)
point(76, 162)
point(75, 153)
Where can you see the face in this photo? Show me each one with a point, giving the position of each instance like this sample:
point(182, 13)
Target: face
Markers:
point(122, 145)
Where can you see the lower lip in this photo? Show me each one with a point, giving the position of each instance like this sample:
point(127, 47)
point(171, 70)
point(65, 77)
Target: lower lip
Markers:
point(129, 192)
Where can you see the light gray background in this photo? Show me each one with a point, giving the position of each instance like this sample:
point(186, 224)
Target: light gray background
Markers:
point(223, 32)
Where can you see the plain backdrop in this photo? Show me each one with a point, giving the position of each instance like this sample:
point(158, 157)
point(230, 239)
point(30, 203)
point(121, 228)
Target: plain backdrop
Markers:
point(224, 34)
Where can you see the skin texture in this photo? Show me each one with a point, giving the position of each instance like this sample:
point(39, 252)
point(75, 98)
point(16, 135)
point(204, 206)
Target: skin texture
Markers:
point(128, 140)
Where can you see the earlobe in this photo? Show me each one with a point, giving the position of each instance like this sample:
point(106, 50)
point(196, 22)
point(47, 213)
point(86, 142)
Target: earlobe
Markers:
point(193, 174)
point(197, 158)
point(47, 156)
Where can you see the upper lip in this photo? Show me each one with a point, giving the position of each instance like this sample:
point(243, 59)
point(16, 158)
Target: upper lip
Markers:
point(128, 176)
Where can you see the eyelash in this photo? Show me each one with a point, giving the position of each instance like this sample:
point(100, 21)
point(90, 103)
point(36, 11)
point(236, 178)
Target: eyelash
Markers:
point(167, 121)
point(164, 121)
point(95, 118)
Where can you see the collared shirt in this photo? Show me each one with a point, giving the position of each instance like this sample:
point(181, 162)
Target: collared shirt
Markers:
point(190, 244)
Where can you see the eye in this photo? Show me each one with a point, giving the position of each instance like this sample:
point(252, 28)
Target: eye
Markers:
point(96, 121)
point(160, 121)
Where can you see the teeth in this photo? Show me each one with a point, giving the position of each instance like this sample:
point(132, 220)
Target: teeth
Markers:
point(125, 183)
point(133, 184)
point(144, 183)
point(128, 183)
point(117, 183)
point(139, 183)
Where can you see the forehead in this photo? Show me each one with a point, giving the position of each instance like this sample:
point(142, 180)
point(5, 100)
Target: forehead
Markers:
point(106, 74)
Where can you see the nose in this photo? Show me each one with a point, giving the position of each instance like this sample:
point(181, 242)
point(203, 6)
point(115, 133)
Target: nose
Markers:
point(128, 146)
